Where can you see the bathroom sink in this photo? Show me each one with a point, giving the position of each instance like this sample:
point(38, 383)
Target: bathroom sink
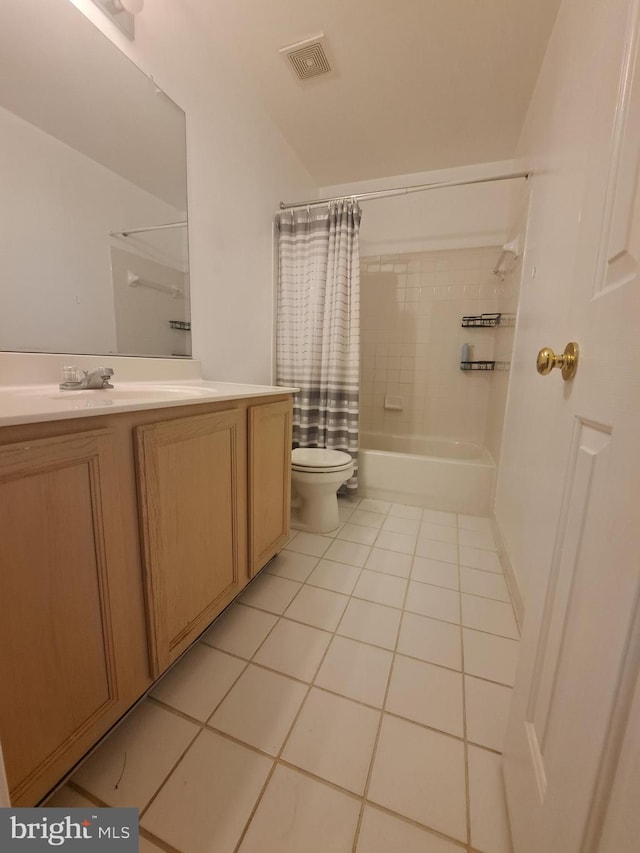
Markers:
point(134, 394)
point(112, 396)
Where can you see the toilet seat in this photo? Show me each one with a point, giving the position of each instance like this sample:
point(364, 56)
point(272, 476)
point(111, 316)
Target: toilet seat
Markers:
point(317, 460)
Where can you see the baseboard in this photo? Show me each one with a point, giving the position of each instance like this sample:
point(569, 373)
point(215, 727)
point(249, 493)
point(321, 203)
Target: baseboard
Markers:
point(510, 575)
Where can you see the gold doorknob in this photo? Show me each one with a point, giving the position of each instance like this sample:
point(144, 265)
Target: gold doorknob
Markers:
point(567, 362)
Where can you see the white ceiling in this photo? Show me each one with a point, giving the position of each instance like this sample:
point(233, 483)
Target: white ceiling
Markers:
point(420, 84)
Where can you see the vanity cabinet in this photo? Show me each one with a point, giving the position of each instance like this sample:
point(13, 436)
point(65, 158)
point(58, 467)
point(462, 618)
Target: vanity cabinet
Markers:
point(122, 537)
point(269, 481)
point(192, 493)
point(63, 636)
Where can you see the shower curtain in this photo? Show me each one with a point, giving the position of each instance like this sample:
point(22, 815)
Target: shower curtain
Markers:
point(318, 325)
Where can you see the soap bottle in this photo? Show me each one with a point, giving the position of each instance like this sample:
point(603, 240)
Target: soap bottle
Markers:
point(465, 353)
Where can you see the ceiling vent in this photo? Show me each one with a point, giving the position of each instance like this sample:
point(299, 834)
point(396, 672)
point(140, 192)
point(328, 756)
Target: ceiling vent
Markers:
point(308, 58)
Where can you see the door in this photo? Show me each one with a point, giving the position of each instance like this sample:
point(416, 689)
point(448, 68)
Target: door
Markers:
point(269, 481)
point(192, 497)
point(580, 651)
point(62, 637)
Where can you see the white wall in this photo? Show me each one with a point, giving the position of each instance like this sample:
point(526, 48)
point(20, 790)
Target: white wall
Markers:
point(450, 218)
point(57, 210)
point(239, 167)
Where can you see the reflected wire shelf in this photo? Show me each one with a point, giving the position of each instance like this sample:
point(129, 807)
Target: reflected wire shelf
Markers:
point(477, 365)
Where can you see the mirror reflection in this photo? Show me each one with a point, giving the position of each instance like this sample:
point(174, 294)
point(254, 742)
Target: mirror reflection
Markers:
point(93, 203)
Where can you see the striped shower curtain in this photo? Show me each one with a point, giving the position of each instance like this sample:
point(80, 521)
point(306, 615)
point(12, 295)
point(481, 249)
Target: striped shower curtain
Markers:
point(318, 325)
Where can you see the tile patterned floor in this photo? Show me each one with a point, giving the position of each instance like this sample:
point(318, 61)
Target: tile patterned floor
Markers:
point(353, 699)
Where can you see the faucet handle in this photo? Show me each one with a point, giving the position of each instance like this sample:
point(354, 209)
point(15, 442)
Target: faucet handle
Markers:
point(104, 373)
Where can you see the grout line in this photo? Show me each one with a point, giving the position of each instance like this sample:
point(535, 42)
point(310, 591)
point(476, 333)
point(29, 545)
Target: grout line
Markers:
point(386, 648)
point(282, 747)
point(467, 796)
point(145, 808)
point(380, 722)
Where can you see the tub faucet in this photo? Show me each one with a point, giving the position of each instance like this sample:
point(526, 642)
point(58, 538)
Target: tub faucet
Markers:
point(80, 380)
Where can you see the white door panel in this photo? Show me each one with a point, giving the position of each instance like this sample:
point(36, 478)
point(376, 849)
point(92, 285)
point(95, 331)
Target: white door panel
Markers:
point(580, 646)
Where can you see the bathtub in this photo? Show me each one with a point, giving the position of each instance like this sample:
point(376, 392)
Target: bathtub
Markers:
point(440, 473)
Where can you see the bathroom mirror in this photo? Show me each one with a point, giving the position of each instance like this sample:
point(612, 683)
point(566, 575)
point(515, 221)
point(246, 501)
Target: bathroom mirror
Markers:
point(93, 205)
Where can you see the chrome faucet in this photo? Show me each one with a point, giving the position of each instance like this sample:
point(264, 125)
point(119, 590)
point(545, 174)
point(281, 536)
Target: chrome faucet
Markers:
point(80, 380)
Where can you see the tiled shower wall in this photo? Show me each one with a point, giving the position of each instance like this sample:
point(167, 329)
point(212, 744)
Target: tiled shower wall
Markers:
point(411, 307)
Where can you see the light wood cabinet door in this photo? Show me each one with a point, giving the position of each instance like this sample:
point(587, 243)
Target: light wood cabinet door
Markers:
point(60, 636)
point(269, 480)
point(192, 497)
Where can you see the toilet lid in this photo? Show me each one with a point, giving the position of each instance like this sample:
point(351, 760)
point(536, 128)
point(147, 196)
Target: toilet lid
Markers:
point(319, 458)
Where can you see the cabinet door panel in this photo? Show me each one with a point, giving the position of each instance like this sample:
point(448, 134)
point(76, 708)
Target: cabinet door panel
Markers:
point(192, 496)
point(269, 480)
point(57, 658)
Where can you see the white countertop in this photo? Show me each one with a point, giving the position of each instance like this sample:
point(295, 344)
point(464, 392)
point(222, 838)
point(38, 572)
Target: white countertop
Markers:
point(24, 404)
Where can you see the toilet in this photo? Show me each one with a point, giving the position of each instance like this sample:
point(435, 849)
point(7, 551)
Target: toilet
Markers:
point(316, 476)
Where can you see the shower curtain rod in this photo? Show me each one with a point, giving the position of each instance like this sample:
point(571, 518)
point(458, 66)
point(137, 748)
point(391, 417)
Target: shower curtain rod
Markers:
point(128, 231)
point(403, 190)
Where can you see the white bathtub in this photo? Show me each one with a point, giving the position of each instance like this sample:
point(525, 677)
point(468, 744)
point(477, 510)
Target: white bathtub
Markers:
point(440, 473)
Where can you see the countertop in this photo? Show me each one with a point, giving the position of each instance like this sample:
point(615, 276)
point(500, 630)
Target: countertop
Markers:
point(24, 404)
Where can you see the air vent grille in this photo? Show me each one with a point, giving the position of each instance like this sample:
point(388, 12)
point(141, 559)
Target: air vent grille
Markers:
point(307, 58)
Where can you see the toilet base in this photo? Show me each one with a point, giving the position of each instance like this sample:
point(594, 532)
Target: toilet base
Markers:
point(298, 524)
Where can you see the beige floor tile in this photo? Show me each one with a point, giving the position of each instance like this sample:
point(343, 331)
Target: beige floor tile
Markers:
point(288, 564)
point(355, 670)
point(433, 601)
point(338, 577)
point(298, 814)
point(370, 623)
point(477, 558)
point(436, 516)
point(199, 682)
point(488, 656)
point(433, 549)
point(477, 539)
point(294, 649)
point(404, 511)
point(358, 533)
point(439, 532)
point(260, 708)
point(351, 553)
point(318, 607)
point(484, 614)
point(474, 522)
point(381, 588)
point(310, 543)
point(370, 505)
point(426, 694)
point(389, 562)
point(486, 584)
point(333, 738)
point(344, 512)
point(487, 709)
point(240, 630)
point(383, 833)
point(408, 526)
point(368, 519)
point(420, 774)
point(435, 572)
point(431, 640)
point(203, 809)
point(489, 821)
point(146, 746)
point(269, 592)
point(402, 542)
